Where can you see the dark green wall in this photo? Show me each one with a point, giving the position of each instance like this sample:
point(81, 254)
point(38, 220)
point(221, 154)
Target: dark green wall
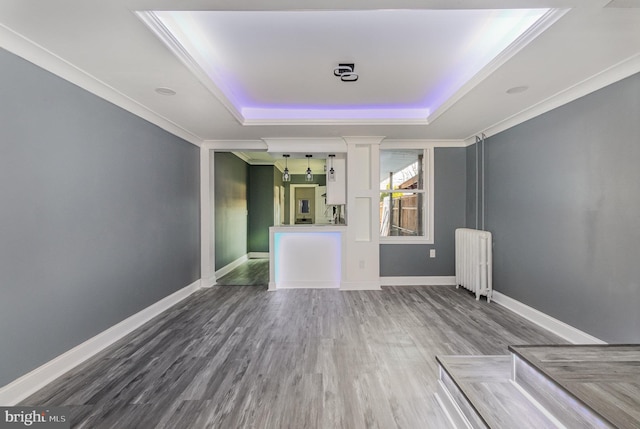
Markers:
point(260, 205)
point(277, 182)
point(230, 176)
point(277, 177)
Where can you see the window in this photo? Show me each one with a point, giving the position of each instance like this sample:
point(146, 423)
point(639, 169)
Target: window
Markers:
point(406, 209)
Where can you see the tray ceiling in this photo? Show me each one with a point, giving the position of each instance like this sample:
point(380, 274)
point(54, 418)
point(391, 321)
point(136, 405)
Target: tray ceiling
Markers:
point(277, 66)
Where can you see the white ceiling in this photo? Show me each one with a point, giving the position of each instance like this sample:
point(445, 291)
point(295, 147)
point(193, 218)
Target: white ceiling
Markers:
point(277, 66)
point(280, 54)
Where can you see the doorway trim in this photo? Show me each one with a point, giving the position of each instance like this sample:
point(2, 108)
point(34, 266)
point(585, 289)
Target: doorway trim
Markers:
point(292, 200)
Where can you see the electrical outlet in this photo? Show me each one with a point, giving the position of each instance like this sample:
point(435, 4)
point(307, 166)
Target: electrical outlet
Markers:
point(432, 253)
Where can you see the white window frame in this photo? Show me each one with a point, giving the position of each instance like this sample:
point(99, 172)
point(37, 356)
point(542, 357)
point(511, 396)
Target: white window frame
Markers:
point(428, 188)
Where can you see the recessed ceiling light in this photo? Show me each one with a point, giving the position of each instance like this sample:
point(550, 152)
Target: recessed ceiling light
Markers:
point(517, 89)
point(165, 91)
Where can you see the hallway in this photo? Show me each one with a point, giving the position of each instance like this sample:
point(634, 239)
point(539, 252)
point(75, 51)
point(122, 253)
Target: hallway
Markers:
point(254, 272)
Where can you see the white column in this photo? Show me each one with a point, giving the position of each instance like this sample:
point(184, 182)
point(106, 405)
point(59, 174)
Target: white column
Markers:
point(207, 229)
point(362, 242)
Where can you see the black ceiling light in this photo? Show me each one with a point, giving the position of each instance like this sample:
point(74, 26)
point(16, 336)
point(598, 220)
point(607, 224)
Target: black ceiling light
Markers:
point(286, 177)
point(331, 176)
point(309, 175)
point(346, 72)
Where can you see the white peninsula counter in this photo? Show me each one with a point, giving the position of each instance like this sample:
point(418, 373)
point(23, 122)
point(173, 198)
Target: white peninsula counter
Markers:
point(306, 256)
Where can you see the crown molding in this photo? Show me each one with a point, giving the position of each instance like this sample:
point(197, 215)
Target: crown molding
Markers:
point(306, 145)
point(243, 156)
point(235, 145)
point(47, 60)
point(540, 26)
point(364, 140)
point(613, 74)
point(163, 33)
point(420, 143)
point(324, 145)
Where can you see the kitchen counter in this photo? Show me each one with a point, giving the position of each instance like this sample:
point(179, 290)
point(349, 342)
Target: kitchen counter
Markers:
point(306, 256)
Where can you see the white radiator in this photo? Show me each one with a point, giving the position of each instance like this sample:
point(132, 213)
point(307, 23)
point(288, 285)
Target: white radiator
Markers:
point(473, 261)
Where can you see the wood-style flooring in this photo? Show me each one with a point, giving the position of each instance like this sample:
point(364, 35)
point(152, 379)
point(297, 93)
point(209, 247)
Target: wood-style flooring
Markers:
point(254, 272)
point(243, 357)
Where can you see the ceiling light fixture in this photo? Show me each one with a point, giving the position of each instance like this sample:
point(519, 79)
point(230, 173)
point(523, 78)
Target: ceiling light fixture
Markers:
point(331, 177)
point(309, 175)
point(165, 91)
point(346, 72)
point(286, 177)
point(517, 89)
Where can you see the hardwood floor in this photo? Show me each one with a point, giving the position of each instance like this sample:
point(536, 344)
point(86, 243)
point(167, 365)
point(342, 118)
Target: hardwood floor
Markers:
point(242, 357)
point(254, 272)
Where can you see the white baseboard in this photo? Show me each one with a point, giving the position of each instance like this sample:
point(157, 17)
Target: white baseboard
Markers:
point(308, 285)
point(556, 326)
point(211, 281)
point(232, 266)
point(418, 281)
point(258, 255)
point(372, 285)
point(364, 285)
point(31, 382)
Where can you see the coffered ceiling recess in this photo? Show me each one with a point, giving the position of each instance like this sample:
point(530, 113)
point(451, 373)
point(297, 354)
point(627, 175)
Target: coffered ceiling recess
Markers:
point(277, 67)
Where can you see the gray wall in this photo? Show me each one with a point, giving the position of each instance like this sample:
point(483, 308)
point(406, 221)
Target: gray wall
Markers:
point(260, 205)
point(450, 179)
point(99, 216)
point(474, 203)
point(563, 203)
point(230, 176)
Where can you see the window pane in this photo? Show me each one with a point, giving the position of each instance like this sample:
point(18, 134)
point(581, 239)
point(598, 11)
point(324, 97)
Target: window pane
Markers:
point(403, 168)
point(401, 214)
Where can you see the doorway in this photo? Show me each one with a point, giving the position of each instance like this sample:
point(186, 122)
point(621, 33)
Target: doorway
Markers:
point(302, 204)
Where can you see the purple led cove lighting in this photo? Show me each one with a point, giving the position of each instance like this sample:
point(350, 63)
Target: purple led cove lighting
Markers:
point(491, 38)
point(293, 112)
point(276, 251)
point(558, 394)
point(191, 37)
point(493, 32)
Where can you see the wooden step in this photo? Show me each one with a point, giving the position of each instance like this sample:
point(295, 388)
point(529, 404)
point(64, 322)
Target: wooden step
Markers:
point(478, 392)
point(584, 386)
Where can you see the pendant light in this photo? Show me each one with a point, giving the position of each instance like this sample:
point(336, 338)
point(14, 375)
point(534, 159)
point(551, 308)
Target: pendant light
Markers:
point(308, 177)
point(286, 177)
point(331, 176)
